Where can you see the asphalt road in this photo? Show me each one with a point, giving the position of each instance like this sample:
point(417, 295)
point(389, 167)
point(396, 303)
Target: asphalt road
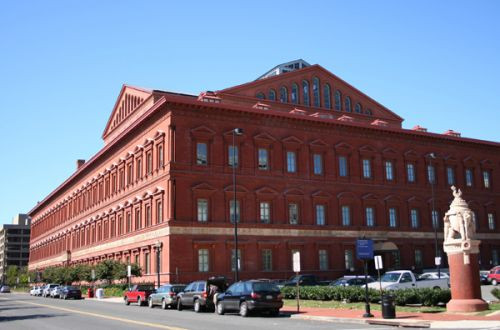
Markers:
point(21, 311)
point(486, 293)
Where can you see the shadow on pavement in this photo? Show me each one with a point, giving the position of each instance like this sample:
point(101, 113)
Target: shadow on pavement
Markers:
point(26, 317)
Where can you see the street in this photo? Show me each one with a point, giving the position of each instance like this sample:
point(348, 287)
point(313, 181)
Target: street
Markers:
point(21, 311)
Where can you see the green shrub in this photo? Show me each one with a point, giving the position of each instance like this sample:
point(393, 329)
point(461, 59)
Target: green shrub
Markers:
point(495, 292)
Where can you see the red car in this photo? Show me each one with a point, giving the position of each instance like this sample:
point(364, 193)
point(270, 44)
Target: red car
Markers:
point(139, 294)
point(494, 275)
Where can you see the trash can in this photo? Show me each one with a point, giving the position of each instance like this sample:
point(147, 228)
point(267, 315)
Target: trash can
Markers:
point(388, 307)
point(99, 293)
point(90, 293)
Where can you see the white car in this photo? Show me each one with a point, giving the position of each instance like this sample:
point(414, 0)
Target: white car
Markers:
point(33, 291)
point(405, 279)
point(433, 276)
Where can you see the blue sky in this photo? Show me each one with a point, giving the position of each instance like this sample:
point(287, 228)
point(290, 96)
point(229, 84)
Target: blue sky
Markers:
point(62, 64)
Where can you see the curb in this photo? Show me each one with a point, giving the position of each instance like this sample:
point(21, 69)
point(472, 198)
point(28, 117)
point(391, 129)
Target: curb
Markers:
point(395, 323)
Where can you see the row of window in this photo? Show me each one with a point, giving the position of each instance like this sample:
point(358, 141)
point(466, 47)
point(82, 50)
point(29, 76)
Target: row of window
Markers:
point(303, 96)
point(263, 157)
point(320, 214)
point(125, 174)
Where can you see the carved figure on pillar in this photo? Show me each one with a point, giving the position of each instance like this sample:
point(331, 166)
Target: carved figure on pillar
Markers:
point(462, 249)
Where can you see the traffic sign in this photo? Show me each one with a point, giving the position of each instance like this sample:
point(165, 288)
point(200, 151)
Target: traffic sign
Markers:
point(364, 248)
point(296, 261)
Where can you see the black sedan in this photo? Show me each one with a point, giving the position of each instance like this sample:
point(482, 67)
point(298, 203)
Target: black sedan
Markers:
point(70, 292)
point(247, 296)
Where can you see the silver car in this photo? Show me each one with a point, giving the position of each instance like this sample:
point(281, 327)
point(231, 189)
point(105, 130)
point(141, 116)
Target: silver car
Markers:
point(47, 289)
point(55, 292)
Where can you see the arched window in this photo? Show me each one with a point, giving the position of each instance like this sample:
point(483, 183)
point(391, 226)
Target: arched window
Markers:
point(272, 95)
point(316, 100)
point(358, 108)
point(326, 96)
point(369, 112)
point(283, 94)
point(347, 106)
point(295, 94)
point(261, 95)
point(305, 92)
point(338, 100)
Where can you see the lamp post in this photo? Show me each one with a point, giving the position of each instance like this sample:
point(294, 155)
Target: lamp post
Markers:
point(437, 259)
point(158, 246)
point(236, 131)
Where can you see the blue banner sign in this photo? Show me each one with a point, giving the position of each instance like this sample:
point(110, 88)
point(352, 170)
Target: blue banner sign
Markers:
point(364, 248)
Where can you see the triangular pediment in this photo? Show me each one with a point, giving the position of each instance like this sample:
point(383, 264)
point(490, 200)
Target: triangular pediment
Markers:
point(269, 90)
point(129, 100)
point(265, 137)
point(318, 143)
point(292, 140)
point(266, 191)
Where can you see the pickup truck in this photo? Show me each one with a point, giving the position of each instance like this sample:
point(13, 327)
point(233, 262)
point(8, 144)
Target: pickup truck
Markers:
point(405, 279)
point(139, 294)
point(304, 280)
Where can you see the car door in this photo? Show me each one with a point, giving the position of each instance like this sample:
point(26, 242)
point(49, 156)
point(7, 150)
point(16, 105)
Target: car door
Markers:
point(406, 281)
point(187, 298)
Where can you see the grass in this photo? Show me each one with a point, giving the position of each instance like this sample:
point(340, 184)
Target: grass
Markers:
point(360, 306)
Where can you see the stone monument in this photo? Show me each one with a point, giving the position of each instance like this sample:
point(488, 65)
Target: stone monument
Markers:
point(462, 249)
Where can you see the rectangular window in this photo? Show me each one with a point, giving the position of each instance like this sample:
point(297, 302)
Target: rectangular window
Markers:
point(291, 165)
point(293, 213)
point(370, 216)
point(130, 174)
point(147, 263)
point(122, 179)
point(396, 259)
point(468, 177)
point(318, 164)
point(267, 260)
point(159, 212)
point(419, 262)
point(476, 221)
point(129, 222)
point(202, 210)
point(414, 218)
point(410, 172)
point(392, 217)
point(160, 156)
point(486, 179)
point(149, 162)
point(491, 221)
point(494, 257)
point(320, 215)
point(263, 159)
point(234, 211)
point(323, 259)
point(137, 219)
point(431, 174)
point(120, 225)
point(450, 175)
point(136, 259)
point(148, 215)
point(203, 260)
point(342, 166)
point(201, 153)
point(348, 259)
point(265, 212)
point(239, 261)
point(389, 171)
point(139, 169)
point(367, 170)
point(346, 215)
point(232, 156)
point(435, 219)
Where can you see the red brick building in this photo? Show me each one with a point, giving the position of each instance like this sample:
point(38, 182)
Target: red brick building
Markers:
point(318, 165)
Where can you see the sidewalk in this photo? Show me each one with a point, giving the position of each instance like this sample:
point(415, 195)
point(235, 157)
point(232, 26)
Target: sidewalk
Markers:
point(403, 319)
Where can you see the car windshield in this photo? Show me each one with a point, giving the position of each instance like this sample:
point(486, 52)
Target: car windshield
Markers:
point(265, 286)
point(390, 277)
point(145, 288)
point(177, 289)
point(70, 287)
point(294, 278)
point(339, 282)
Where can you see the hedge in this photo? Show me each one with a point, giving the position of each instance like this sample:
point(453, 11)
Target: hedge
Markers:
point(424, 296)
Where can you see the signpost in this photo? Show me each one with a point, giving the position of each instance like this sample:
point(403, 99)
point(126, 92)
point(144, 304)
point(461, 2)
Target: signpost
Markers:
point(437, 262)
point(364, 251)
point(296, 269)
point(129, 274)
point(378, 267)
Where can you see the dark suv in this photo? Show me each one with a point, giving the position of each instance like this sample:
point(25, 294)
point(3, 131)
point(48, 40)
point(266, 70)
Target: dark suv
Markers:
point(200, 294)
point(250, 296)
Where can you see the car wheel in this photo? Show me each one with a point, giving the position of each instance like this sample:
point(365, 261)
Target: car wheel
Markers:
point(244, 309)
point(126, 301)
point(150, 303)
point(220, 308)
point(139, 301)
point(197, 306)
point(179, 305)
point(65, 297)
point(164, 304)
point(436, 288)
point(494, 282)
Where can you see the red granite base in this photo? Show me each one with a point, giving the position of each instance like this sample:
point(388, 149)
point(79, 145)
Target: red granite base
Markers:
point(466, 305)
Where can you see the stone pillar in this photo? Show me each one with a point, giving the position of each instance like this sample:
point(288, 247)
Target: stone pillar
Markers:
point(463, 251)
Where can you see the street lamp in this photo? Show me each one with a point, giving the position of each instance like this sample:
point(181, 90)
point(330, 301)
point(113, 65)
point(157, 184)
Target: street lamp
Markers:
point(158, 246)
point(437, 258)
point(236, 131)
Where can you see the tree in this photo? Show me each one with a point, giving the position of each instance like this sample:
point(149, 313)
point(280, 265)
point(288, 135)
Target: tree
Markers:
point(84, 273)
point(11, 275)
point(105, 270)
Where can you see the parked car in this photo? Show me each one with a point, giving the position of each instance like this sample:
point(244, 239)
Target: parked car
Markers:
point(139, 294)
point(47, 289)
point(433, 275)
point(55, 292)
point(70, 291)
point(494, 275)
point(248, 296)
point(352, 280)
point(304, 280)
point(404, 279)
point(483, 278)
point(38, 290)
point(166, 296)
point(4, 289)
point(33, 290)
point(200, 294)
